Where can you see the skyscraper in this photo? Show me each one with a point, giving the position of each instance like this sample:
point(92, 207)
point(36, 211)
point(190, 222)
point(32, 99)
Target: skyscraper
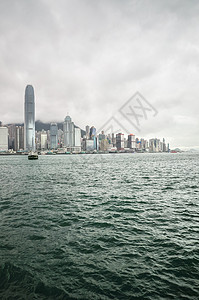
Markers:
point(120, 141)
point(53, 136)
point(93, 136)
point(68, 128)
point(87, 132)
point(43, 139)
point(29, 119)
point(3, 138)
point(19, 144)
point(131, 141)
point(77, 137)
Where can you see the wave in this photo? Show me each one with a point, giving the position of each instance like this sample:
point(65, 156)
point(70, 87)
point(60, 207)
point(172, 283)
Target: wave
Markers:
point(17, 283)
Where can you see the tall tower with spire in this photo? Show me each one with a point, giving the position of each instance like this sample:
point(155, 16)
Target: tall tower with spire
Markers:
point(29, 119)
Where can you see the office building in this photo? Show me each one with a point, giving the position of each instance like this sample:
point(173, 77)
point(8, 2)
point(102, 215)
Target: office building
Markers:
point(87, 132)
point(164, 146)
point(60, 138)
point(43, 140)
point(53, 136)
point(154, 145)
point(3, 138)
point(120, 141)
point(69, 129)
point(19, 142)
point(29, 119)
point(131, 141)
point(89, 145)
point(93, 137)
point(77, 137)
point(12, 136)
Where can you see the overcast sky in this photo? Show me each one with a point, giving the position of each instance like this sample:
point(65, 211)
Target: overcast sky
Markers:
point(87, 58)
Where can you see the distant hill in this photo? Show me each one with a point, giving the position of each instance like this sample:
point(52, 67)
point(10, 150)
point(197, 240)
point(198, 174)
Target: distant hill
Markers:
point(46, 126)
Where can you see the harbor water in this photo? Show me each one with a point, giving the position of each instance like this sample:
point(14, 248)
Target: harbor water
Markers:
point(115, 226)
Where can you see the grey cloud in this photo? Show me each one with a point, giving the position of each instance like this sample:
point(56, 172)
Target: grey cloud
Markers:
point(88, 57)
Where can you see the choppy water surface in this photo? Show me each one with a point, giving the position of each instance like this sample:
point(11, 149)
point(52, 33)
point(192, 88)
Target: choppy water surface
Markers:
point(122, 226)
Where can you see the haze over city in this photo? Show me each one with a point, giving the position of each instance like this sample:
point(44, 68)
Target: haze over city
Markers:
point(87, 58)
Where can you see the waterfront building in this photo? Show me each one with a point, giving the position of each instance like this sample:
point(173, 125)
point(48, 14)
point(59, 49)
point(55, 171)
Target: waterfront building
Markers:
point(12, 136)
point(43, 139)
point(131, 141)
point(78, 137)
point(3, 138)
point(113, 140)
point(164, 146)
point(104, 145)
point(154, 145)
point(15, 137)
point(102, 136)
point(38, 140)
point(89, 145)
point(60, 138)
point(125, 143)
point(103, 142)
point(19, 143)
point(87, 132)
point(93, 136)
point(120, 141)
point(138, 145)
point(83, 143)
point(92, 132)
point(29, 119)
point(53, 136)
point(68, 128)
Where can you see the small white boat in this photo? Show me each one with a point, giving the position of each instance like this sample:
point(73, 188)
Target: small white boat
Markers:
point(33, 155)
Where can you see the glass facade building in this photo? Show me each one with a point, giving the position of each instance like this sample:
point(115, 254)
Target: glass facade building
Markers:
point(69, 132)
point(53, 136)
point(29, 119)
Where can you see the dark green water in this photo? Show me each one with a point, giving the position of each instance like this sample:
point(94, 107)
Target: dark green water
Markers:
point(122, 226)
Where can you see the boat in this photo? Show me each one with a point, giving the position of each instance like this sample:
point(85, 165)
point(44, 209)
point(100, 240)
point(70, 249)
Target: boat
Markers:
point(33, 155)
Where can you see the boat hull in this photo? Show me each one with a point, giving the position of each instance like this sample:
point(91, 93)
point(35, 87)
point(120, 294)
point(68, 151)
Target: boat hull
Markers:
point(31, 157)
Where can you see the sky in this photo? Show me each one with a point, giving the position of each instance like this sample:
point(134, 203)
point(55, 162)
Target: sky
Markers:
point(87, 58)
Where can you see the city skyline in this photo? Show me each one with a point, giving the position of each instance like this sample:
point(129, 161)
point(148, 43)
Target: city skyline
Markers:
point(17, 139)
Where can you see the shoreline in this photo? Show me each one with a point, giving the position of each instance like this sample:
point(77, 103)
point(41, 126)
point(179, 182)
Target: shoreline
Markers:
point(90, 153)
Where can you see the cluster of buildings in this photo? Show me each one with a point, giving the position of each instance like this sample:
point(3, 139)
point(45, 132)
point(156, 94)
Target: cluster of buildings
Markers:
point(69, 138)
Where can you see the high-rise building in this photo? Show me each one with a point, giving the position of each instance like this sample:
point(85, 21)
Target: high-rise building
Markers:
point(12, 136)
point(43, 140)
point(90, 145)
point(120, 141)
point(92, 132)
point(113, 139)
point(93, 137)
point(60, 138)
point(68, 128)
point(19, 138)
point(3, 138)
point(29, 119)
point(131, 141)
point(154, 145)
point(87, 132)
point(104, 145)
point(77, 137)
point(102, 136)
point(164, 146)
point(53, 136)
